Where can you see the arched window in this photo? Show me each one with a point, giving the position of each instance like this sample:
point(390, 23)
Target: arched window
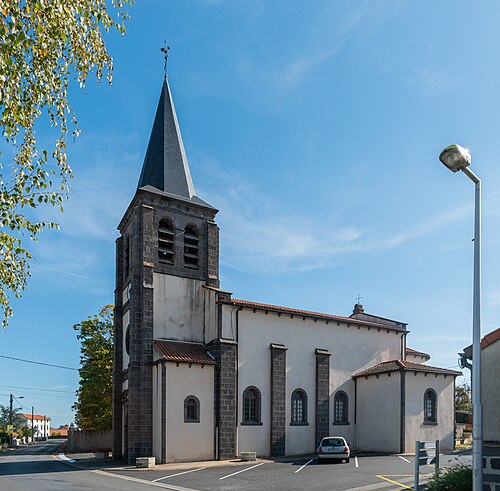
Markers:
point(191, 247)
point(191, 409)
point(430, 407)
point(166, 242)
point(127, 340)
point(251, 406)
point(299, 407)
point(341, 408)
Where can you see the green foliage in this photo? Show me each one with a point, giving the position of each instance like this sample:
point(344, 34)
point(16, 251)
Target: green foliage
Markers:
point(19, 422)
point(463, 400)
point(93, 407)
point(456, 478)
point(42, 44)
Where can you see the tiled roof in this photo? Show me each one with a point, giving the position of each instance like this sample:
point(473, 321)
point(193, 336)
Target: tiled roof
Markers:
point(36, 416)
point(490, 338)
point(397, 365)
point(413, 352)
point(308, 313)
point(183, 352)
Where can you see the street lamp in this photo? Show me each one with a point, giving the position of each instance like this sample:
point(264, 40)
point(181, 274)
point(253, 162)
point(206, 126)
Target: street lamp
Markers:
point(11, 412)
point(458, 158)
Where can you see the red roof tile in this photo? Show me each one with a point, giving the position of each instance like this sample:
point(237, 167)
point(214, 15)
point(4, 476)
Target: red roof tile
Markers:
point(36, 416)
point(396, 365)
point(183, 352)
point(490, 338)
point(308, 313)
point(413, 352)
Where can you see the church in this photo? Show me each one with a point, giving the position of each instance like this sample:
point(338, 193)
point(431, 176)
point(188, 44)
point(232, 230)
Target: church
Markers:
point(201, 375)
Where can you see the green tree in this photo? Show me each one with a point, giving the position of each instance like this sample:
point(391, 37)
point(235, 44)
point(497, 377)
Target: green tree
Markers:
point(93, 407)
point(44, 45)
point(18, 420)
point(463, 400)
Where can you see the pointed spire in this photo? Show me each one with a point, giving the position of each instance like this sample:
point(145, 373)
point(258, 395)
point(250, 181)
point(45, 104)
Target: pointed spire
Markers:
point(165, 164)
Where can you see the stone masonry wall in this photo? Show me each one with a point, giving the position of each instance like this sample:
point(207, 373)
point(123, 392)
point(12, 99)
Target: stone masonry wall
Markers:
point(491, 466)
point(322, 394)
point(278, 400)
point(118, 355)
point(224, 353)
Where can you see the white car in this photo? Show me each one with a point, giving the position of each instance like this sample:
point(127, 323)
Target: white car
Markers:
point(333, 447)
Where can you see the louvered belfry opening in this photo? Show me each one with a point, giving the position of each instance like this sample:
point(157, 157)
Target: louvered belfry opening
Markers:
point(191, 246)
point(166, 242)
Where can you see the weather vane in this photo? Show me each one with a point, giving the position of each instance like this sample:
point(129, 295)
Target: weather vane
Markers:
point(165, 51)
point(358, 298)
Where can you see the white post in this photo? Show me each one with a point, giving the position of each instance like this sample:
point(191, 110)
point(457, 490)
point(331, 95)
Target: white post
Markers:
point(417, 465)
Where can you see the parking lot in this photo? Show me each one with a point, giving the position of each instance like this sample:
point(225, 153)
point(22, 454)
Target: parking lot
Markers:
point(363, 473)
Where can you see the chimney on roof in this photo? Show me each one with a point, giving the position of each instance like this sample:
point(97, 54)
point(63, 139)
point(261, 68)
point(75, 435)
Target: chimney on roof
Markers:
point(358, 309)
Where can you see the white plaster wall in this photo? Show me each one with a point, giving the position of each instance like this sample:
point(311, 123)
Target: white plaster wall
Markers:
point(126, 322)
point(178, 308)
point(210, 309)
point(416, 359)
point(416, 385)
point(352, 350)
point(229, 322)
point(157, 412)
point(190, 441)
point(490, 391)
point(378, 421)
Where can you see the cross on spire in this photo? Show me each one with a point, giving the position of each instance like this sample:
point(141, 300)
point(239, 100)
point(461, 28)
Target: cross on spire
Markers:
point(165, 51)
point(358, 298)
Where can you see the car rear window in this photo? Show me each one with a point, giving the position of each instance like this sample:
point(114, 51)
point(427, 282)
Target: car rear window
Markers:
point(332, 442)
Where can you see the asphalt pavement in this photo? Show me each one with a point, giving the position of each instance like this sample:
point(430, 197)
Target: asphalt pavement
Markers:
point(40, 467)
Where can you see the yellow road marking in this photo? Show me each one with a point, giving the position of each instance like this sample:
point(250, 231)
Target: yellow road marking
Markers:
point(394, 482)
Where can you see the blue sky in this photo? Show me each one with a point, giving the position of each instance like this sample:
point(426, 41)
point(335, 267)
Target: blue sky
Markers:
point(315, 128)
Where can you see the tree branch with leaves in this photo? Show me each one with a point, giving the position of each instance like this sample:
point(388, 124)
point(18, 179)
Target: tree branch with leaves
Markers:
point(94, 395)
point(43, 46)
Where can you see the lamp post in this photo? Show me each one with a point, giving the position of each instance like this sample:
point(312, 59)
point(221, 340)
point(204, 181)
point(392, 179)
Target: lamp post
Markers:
point(11, 412)
point(458, 158)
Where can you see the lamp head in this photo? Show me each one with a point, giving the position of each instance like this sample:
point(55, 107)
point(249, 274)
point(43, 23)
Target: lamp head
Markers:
point(455, 157)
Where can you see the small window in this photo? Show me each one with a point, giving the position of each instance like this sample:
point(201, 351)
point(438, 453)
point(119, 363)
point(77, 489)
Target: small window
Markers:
point(430, 407)
point(166, 242)
point(299, 407)
point(191, 410)
point(251, 406)
point(341, 408)
point(191, 247)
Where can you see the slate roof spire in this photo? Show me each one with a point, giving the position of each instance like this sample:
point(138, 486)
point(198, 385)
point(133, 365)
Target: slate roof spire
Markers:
point(165, 164)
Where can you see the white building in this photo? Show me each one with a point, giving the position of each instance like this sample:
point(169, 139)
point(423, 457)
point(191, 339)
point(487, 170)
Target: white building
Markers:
point(41, 425)
point(195, 364)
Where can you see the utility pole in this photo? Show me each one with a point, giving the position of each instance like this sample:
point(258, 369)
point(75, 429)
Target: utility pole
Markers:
point(10, 416)
point(32, 424)
point(45, 427)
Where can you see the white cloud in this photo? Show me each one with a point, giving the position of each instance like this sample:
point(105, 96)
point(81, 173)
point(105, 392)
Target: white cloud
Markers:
point(258, 236)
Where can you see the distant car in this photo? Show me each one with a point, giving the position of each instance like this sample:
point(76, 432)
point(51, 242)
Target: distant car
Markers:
point(333, 447)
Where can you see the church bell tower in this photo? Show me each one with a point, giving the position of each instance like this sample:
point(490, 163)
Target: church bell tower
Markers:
point(168, 250)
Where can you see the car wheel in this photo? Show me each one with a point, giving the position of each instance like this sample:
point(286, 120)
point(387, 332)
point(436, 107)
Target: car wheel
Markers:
point(346, 461)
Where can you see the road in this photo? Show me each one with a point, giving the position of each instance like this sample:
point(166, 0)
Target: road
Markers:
point(34, 468)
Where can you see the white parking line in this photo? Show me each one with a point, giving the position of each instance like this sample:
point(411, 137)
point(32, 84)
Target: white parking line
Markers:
point(179, 474)
point(67, 459)
point(300, 468)
point(402, 458)
point(243, 470)
point(356, 461)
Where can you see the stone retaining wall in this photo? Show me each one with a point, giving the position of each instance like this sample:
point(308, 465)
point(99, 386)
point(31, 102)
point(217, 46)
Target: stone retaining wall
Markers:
point(90, 441)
